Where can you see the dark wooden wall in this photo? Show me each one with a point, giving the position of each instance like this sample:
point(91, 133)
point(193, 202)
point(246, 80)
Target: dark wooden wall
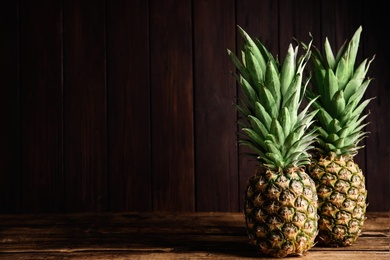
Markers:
point(127, 105)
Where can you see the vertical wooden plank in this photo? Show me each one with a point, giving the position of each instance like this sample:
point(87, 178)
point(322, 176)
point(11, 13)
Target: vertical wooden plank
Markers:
point(85, 122)
point(297, 20)
point(41, 106)
point(9, 109)
point(128, 105)
point(340, 19)
point(378, 143)
point(260, 20)
point(215, 116)
point(172, 105)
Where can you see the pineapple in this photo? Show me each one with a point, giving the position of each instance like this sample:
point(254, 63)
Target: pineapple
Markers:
point(339, 181)
point(280, 198)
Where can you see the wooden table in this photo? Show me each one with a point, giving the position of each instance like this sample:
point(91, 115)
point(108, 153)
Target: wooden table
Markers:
point(160, 236)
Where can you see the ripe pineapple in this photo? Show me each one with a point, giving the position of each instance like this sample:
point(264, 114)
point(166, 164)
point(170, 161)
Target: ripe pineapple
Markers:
point(280, 199)
point(339, 181)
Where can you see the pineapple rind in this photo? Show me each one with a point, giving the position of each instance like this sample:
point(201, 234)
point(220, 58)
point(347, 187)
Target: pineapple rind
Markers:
point(281, 211)
point(342, 195)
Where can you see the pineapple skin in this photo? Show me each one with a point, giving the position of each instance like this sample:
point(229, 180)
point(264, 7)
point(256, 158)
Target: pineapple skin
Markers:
point(342, 195)
point(281, 211)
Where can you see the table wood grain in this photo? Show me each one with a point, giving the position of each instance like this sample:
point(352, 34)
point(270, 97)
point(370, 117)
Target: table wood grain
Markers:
point(161, 235)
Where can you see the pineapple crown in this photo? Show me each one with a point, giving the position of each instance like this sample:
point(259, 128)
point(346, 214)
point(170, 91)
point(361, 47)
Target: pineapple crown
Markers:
point(341, 89)
point(272, 124)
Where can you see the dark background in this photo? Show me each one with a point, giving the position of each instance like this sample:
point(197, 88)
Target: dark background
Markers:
point(114, 105)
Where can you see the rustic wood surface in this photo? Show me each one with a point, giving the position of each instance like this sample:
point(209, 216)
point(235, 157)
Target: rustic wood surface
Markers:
point(207, 235)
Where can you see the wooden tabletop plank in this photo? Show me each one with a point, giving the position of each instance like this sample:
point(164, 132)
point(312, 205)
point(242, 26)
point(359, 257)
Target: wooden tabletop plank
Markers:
point(124, 255)
point(375, 220)
point(159, 235)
